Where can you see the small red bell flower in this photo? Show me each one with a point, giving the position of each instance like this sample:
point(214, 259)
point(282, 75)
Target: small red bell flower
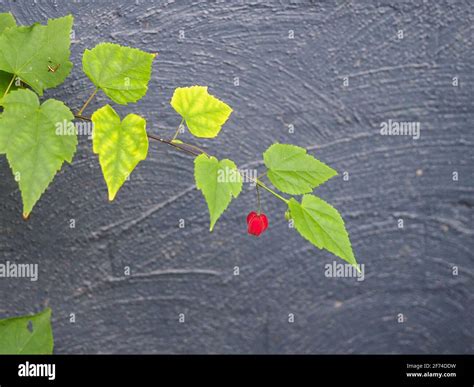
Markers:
point(256, 223)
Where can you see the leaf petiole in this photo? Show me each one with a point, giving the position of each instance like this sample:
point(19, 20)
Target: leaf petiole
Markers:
point(177, 130)
point(9, 86)
point(261, 184)
point(258, 200)
point(79, 113)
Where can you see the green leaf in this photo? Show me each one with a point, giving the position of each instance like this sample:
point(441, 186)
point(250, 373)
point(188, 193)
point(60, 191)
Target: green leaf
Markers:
point(322, 225)
point(37, 140)
point(293, 171)
point(28, 51)
point(204, 114)
point(27, 335)
point(219, 181)
point(121, 72)
point(6, 21)
point(121, 145)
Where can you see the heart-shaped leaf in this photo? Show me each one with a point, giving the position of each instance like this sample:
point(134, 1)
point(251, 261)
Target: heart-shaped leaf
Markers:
point(31, 52)
point(121, 145)
point(322, 225)
point(219, 181)
point(27, 335)
point(293, 171)
point(204, 114)
point(37, 140)
point(122, 73)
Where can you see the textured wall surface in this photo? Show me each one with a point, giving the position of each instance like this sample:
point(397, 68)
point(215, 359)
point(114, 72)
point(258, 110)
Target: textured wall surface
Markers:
point(283, 82)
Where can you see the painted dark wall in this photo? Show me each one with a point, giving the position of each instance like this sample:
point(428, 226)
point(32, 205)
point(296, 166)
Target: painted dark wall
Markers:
point(283, 82)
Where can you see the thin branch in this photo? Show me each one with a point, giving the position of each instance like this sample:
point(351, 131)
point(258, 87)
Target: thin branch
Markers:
point(82, 117)
point(195, 151)
point(188, 148)
point(179, 146)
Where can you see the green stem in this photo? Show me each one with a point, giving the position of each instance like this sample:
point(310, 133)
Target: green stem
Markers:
point(260, 183)
point(177, 130)
point(79, 113)
point(9, 86)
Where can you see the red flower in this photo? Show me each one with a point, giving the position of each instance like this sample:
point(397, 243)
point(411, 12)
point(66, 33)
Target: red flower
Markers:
point(256, 223)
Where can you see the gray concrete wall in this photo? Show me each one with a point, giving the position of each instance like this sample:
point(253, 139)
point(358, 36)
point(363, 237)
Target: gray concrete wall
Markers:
point(283, 82)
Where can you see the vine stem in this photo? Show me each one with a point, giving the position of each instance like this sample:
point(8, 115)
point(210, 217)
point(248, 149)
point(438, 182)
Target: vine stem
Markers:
point(9, 86)
point(181, 146)
point(188, 148)
point(78, 116)
point(79, 113)
point(196, 151)
point(195, 147)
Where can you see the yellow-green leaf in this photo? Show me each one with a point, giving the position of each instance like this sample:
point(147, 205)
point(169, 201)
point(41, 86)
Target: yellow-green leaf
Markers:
point(293, 171)
point(6, 21)
point(121, 72)
point(34, 146)
point(219, 181)
point(121, 145)
point(204, 114)
point(30, 52)
point(322, 225)
point(27, 335)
